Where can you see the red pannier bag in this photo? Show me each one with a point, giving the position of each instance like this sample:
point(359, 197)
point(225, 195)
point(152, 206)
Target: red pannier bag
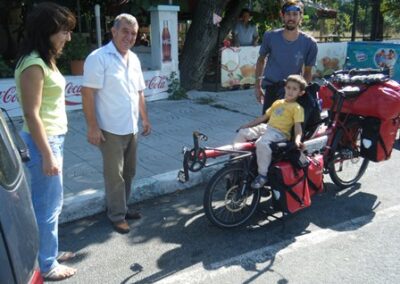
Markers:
point(378, 137)
point(315, 174)
point(289, 187)
point(380, 100)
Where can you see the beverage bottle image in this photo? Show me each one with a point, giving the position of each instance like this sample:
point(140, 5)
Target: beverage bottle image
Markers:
point(166, 43)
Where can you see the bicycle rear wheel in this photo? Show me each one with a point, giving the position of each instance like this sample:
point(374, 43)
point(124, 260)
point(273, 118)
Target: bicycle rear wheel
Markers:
point(229, 201)
point(347, 166)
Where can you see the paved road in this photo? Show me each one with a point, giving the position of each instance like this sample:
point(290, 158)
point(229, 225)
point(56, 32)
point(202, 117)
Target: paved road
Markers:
point(351, 236)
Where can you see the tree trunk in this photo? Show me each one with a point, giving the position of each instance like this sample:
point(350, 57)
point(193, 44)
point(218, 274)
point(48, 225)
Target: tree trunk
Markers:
point(202, 39)
point(377, 21)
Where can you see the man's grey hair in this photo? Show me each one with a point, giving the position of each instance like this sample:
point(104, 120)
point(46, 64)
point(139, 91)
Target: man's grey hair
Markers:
point(127, 17)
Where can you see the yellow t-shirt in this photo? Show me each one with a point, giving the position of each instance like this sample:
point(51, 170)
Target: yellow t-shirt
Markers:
point(52, 109)
point(283, 115)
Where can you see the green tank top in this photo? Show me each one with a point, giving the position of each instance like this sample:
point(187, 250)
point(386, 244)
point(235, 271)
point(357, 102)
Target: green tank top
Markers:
point(52, 109)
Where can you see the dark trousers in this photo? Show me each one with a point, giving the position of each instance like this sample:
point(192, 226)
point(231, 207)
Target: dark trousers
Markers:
point(273, 93)
point(119, 168)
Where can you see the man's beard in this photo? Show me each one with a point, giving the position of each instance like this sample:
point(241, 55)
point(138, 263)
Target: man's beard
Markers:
point(290, 28)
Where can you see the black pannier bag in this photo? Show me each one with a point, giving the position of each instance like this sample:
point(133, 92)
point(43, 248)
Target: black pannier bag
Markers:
point(378, 137)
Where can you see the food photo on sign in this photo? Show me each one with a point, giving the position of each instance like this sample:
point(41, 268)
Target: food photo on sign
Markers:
point(331, 57)
point(238, 66)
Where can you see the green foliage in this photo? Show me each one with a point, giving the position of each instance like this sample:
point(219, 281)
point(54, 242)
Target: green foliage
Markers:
point(175, 91)
point(344, 24)
point(268, 18)
point(5, 70)
point(391, 12)
point(78, 48)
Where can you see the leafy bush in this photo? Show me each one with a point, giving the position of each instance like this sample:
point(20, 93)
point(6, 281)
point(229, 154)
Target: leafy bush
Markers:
point(78, 48)
point(5, 70)
point(175, 91)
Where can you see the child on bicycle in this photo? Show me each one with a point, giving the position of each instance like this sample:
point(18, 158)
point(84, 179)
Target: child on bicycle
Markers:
point(275, 126)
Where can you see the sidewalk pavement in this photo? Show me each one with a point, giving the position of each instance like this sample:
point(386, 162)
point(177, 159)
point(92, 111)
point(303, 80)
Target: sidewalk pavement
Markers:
point(160, 157)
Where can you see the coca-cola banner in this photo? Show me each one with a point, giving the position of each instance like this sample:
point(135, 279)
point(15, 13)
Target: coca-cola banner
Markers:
point(156, 88)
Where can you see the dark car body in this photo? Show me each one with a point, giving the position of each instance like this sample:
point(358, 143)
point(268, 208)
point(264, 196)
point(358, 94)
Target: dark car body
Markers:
point(18, 229)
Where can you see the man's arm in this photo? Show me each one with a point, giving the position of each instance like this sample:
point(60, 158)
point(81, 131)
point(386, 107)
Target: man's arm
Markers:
point(307, 74)
point(94, 134)
point(310, 60)
point(260, 65)
point(143, 114)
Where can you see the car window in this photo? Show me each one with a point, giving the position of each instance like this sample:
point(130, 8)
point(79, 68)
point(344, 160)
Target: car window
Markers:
point(9, 167)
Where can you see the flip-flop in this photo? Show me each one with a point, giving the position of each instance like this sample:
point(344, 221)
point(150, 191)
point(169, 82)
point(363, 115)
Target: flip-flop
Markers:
point(60, 272)
point(65, 256)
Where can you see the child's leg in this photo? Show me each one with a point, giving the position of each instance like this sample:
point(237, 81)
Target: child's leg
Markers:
point(251, 133)
point(263, 150)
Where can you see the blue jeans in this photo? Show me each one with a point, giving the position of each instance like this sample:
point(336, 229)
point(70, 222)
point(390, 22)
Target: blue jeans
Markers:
point(47, 199)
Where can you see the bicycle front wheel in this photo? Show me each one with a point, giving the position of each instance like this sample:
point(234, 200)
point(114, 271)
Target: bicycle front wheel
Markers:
point(347, 166)
point(229, 201)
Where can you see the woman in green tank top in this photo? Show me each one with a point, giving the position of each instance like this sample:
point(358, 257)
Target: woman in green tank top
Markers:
point(40, 91)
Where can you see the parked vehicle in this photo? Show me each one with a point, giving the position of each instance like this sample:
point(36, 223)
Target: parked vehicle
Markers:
point(357, 130)
point(18, 230)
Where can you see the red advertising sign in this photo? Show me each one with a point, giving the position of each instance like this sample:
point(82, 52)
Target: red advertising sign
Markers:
point(156, 88)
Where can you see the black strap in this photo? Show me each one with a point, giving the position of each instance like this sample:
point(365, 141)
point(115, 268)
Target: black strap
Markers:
point(289, 189)
point(312, 185)
point(295, 196)
point(383, 146)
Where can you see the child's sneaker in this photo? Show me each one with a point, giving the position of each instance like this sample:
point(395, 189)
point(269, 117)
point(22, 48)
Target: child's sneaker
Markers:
point(259, 182)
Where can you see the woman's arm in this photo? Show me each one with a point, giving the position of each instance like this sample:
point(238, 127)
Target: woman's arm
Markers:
point(32, 81)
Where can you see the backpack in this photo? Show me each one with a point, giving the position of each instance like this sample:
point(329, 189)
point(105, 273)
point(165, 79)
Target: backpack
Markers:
point(312, 110)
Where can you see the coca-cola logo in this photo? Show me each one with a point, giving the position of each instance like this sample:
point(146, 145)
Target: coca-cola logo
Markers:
point(72, 90)
point(157, 82)
point(9, 96)
point(73, 94)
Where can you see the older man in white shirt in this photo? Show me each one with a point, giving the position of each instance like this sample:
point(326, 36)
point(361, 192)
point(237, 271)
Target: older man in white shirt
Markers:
point(113, 98)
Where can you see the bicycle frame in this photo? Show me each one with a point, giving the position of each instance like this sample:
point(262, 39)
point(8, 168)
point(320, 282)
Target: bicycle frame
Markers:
point(196, 158)
point(229, 200)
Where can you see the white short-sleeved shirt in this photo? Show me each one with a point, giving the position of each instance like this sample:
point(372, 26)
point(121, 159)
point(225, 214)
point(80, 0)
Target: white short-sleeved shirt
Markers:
point(117, 85)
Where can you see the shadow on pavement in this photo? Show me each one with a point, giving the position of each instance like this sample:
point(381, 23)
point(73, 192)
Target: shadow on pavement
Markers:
point(185, 225)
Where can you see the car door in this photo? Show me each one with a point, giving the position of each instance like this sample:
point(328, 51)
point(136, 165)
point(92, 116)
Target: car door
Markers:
point(18, 229)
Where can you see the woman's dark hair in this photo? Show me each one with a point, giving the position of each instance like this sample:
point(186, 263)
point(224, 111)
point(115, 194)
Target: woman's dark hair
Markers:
point(45, 20)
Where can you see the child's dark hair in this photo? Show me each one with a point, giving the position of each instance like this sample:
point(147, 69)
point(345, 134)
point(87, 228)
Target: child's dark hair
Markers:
point(297, 79)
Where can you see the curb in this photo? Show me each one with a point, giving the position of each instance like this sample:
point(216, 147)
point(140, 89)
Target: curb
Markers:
point(92, 201)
